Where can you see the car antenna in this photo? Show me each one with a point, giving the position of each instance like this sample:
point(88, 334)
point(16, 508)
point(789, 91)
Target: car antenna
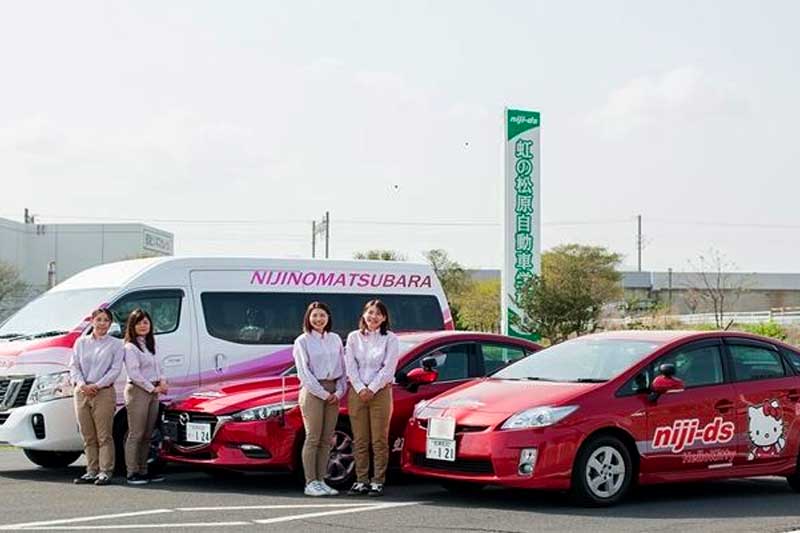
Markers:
point(729, 325)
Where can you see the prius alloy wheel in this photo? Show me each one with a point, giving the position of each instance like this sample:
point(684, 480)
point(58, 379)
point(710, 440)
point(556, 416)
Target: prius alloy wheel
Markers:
point(603, 472)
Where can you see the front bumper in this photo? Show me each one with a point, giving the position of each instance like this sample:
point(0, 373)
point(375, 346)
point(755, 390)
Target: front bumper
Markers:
point(492, 457)
point(233, 446)
point(61, 432)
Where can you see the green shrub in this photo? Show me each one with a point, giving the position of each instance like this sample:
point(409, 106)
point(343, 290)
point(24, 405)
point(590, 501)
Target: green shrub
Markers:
point(766, 329)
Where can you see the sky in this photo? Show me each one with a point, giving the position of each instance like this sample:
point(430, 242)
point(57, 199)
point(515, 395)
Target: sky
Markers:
point(235, 124)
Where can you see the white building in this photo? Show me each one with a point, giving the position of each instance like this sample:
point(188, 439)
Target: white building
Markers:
point(50, 253)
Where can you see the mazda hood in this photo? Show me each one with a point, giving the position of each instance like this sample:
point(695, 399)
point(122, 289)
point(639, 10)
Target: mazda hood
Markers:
point(234, 396)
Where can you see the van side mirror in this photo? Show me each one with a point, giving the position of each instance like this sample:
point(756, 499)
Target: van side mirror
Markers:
point(115, 330)
point(665, 382)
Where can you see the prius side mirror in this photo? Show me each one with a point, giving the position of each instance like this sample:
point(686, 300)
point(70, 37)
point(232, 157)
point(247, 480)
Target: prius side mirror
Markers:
point(665, 382)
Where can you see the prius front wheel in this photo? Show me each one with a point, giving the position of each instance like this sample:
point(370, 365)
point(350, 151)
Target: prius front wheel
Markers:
point(602, 472)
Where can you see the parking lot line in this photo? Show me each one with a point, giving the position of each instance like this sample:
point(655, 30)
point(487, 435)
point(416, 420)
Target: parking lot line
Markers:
point(84, 519)
point(367, 507)
point(276, 506)
point(330, 509)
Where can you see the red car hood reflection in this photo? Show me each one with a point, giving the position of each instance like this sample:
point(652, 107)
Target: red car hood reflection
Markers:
point(491, 401)
point(234, 396)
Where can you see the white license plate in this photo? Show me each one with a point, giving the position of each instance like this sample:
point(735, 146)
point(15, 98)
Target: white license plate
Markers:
point(198, 432)
point(440, 449)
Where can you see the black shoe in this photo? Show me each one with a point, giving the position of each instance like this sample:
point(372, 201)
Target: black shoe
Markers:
point(137, 479)
point(102, 479)
point(85, 479)
point(358, 489)
point(376, 489)
point(154, 478)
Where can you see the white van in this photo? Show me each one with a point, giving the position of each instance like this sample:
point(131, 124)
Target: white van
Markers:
point(215, 319)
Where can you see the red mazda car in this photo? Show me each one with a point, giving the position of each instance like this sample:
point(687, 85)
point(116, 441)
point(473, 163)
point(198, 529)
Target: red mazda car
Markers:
point(600, 413)
point(256, 424)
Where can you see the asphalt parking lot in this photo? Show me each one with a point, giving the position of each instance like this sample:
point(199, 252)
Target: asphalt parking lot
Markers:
point(37, 499)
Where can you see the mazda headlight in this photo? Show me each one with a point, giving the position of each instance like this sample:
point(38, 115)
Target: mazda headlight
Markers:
point(538, 417)
point(263, 412)
point(50, 387)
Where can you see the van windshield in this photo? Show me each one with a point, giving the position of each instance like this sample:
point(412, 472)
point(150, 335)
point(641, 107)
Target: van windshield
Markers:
point(54, 312)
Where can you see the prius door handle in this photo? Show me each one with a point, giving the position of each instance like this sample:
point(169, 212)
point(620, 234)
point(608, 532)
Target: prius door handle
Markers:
point(723, 406)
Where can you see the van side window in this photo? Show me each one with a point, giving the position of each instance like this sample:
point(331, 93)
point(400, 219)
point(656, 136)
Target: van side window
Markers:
point(163, 306)
point(277, 318)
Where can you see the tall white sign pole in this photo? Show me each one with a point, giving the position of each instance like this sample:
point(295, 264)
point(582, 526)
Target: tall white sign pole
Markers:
point(522, 213)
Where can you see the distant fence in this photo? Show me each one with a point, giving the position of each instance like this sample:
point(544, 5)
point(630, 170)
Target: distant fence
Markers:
point(780, 315)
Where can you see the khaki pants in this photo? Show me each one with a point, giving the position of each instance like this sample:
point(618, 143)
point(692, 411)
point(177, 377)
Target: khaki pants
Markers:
point(96, 422)
point(142, 410)
point(319, 420)
point(370, 423)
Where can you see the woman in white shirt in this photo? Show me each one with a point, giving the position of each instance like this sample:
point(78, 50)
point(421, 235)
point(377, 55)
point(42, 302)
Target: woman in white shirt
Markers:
point(318, 357)
point(94, 366)
point(146, 382)
point(371, 359)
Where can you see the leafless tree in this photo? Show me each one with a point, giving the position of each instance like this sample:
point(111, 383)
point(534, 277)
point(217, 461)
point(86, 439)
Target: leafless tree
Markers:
point(717, 284)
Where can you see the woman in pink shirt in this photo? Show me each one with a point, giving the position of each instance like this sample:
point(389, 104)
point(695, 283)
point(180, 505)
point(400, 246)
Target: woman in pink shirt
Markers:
point(371, 359)
point(318, 357)
point(94, 366)
point(146, 382)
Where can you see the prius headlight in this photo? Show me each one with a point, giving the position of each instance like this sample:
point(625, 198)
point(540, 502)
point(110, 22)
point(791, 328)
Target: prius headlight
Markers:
point(538, 417)
point(263, 412)
point(50, 387)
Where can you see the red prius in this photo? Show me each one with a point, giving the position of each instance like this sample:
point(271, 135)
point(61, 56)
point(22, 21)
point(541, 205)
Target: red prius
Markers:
point(598, 414)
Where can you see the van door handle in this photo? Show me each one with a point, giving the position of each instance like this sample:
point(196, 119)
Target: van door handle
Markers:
point(794, 395)
point(172, 360)
point(219, 362)
point(723, 406)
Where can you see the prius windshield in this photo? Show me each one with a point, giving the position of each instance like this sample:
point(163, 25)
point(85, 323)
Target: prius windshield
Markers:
point(590, 360)
point(54, 312)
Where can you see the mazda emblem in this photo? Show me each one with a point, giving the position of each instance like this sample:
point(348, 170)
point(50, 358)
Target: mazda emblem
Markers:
point(183, 418)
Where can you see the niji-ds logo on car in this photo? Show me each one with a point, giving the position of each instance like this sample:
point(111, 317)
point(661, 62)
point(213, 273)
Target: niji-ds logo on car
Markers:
point(685, 432)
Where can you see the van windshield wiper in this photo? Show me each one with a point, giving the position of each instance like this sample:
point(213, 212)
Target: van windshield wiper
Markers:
point(11, 335)
point(538, 378)
point(52, 333)
point(589, 380)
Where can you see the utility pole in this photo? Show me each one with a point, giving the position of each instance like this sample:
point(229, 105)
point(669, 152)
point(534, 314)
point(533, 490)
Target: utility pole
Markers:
point(639, 240)
point(313, 239)
point(669, 284)
point(321, 228)
point(327, 233)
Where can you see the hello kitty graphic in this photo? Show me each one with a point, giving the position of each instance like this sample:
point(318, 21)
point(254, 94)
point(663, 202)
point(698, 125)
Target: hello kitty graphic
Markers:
point(765, 430)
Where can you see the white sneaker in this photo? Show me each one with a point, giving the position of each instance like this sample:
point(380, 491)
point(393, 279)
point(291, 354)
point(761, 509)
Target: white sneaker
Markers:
point(315, 489)
point(328, 489)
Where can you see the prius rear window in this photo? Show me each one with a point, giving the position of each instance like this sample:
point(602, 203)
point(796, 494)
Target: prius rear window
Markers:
point(277, 318)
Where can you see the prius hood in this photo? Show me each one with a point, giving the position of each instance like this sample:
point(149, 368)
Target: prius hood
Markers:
point(492, 401)
point(234, 396)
